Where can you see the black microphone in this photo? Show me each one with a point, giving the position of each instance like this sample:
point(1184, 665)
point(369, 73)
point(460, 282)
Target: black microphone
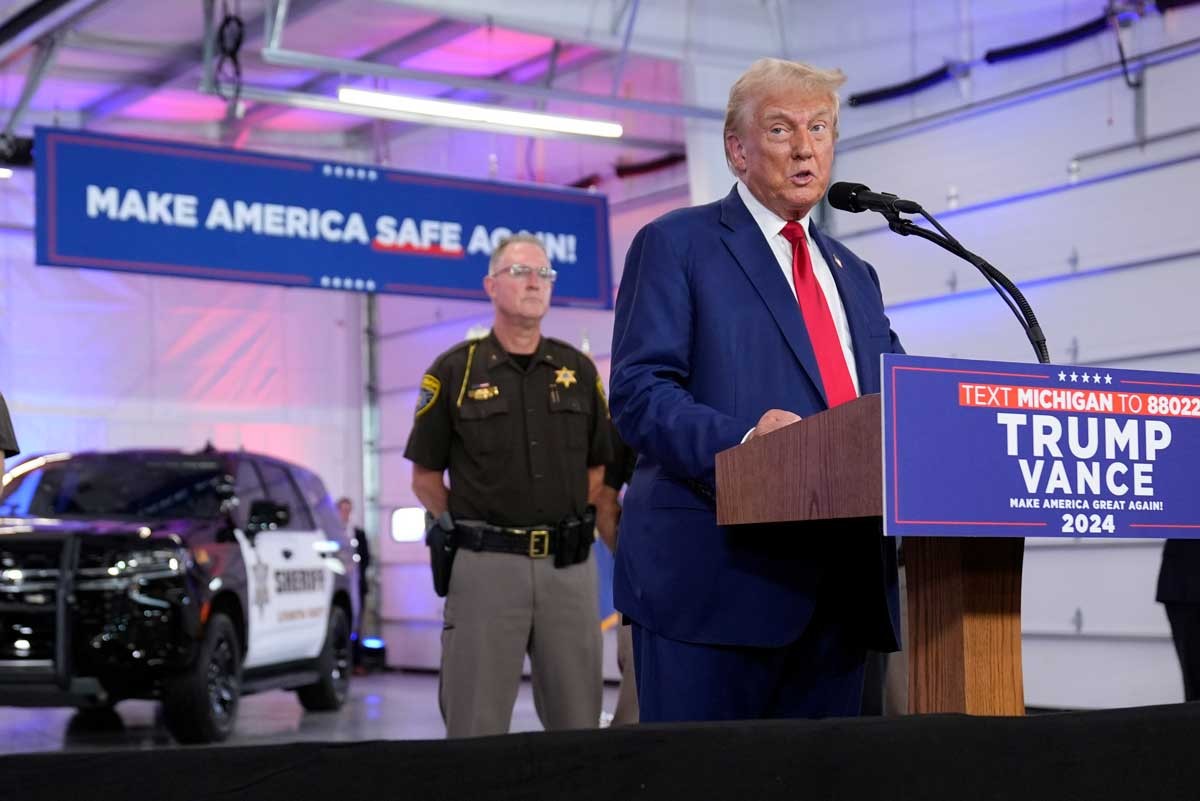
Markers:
point(858, 197)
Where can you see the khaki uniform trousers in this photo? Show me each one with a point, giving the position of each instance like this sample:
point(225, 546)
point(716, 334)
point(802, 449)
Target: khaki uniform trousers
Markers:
point(502, 606)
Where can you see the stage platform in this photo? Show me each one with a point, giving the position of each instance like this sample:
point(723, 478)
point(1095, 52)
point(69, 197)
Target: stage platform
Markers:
point(1141, 753)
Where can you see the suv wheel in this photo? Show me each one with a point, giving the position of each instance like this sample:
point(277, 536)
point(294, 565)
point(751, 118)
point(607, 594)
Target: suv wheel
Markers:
point(200, 706)
point(330, 691)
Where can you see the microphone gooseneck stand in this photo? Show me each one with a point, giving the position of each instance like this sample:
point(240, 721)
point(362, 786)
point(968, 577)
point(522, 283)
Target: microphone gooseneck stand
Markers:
point(1000, 282)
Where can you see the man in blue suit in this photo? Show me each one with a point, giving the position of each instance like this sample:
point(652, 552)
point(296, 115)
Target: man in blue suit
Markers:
point(735, 319)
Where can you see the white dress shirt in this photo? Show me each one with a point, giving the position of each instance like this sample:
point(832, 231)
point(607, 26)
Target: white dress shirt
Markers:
point(771, 225)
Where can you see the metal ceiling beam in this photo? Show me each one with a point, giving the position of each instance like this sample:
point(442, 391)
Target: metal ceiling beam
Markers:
point(276, 20)
point(43, 57)
point(424, 39)
point(184, 63)
point(95, 76)
point(339, 143)
point(84, 40)
point(743, 34)
point(37, 20)
point(291, 58)
point(619, 69)
point(208, 58)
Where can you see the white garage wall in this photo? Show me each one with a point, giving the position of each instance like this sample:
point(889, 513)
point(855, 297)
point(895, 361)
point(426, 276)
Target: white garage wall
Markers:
point(104, 360)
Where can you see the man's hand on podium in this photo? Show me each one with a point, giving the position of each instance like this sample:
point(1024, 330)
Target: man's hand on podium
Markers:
point(772, 420)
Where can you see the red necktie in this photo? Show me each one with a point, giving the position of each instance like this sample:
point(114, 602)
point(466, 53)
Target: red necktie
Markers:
point(831, 361)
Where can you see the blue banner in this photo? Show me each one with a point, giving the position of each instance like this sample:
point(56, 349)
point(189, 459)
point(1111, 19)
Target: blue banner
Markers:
point(994, 449)
point(167, 208)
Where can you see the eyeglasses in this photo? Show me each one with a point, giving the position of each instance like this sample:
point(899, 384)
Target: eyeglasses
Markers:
point(522, 270)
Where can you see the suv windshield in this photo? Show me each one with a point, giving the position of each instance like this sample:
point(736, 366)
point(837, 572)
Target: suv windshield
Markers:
point(145, 487)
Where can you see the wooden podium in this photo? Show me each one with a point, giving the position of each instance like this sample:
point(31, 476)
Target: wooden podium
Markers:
point(964, 593)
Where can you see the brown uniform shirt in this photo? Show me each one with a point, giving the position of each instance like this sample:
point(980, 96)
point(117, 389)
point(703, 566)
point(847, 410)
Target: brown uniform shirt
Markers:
point(517, 443)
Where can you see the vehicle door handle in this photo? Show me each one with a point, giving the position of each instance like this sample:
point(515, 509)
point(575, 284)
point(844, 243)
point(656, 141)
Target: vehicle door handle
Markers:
point(287, 553)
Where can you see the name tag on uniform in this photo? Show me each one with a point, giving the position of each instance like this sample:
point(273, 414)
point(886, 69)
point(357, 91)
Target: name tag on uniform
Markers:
point(483, 392)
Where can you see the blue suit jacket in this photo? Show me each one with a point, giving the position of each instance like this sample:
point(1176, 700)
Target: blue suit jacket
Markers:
point(708, 337)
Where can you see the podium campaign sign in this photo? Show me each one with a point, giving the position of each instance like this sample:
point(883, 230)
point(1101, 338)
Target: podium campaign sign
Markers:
point(171, 208)
point(998, 449)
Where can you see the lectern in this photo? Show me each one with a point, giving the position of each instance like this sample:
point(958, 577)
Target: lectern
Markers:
point(964, 593)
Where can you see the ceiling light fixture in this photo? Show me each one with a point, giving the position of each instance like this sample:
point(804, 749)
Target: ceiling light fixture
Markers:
point(472, 115)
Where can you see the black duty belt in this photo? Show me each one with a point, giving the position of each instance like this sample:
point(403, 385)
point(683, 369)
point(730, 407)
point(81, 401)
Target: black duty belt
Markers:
point(536, 542)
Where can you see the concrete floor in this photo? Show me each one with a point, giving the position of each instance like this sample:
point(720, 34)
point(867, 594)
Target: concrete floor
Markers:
point(382, 706)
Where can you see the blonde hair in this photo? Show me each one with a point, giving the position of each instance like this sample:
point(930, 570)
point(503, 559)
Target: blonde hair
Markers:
point(515, 239)
point(768, 74)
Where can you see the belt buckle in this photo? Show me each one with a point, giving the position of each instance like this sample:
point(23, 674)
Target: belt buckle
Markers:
point(539, 543)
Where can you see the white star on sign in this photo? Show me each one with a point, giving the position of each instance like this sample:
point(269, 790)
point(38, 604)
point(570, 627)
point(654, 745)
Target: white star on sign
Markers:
point(1073, 377)
point(1062, 376)
point(1086, 378)
point(1096, 378)
point(1107, 379)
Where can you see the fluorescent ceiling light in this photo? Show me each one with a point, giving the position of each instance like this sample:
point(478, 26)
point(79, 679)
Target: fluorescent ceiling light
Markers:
point(472, 115)
point(5, 173)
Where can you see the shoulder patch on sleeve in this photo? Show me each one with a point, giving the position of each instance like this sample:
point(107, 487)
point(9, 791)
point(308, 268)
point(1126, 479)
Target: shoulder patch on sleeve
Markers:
point(430, 389)
point(603, 397)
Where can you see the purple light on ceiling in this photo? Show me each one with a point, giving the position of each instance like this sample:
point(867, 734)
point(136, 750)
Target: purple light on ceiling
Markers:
point(178, 104)
point(482, 52)
point(60, 93)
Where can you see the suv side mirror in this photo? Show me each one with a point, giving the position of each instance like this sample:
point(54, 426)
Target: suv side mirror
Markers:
point(266, 516)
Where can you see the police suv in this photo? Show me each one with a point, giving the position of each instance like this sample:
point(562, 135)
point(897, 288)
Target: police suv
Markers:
point(188, 577)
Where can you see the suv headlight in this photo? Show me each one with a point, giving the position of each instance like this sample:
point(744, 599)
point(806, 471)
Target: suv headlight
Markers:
point(169, 561)
point(149, 563)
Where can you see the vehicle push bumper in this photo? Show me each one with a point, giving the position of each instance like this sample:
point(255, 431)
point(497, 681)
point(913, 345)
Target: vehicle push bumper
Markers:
point(72, 630)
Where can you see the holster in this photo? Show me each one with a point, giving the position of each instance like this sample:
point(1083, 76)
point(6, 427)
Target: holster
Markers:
point(440, 539)
point(575, 538)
